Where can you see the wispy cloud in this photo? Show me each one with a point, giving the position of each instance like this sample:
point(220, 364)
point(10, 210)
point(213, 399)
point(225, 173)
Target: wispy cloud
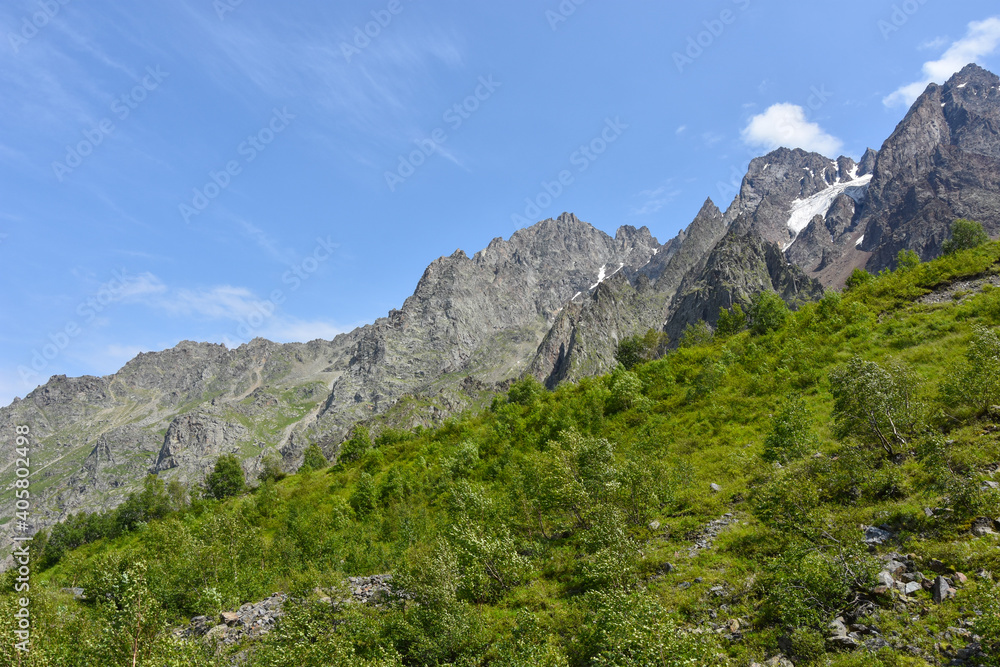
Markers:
point(982, 39)
point(786, 125)
point(655, 199)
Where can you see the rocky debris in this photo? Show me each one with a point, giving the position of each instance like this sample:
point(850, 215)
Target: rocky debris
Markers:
point(715, 488)
point(252, 621)
point(900, 577)
point(983, 526)
point(959, 290)
point(942, 590)
point(704, 538)
point(776, 661)
point(877, 535)
point(75, 592)
point(372, 590)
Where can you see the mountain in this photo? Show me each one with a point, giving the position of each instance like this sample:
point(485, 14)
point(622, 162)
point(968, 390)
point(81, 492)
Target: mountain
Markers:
point(553, 300)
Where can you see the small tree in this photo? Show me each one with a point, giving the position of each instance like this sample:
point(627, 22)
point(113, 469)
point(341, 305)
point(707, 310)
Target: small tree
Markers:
point(696, 333)
point(768, 312)
point(638, 349)
point(874, 403)
point(965, 235)
point(858, 278)
point(790, 437)
point(976, 383)
point(357, 446)
point(314, 459)
point(226, 480)
point(731, 321)
point(907, 260)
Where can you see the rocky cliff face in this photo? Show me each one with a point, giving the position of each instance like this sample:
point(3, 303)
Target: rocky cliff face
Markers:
point(941, 163)
point(554, 300)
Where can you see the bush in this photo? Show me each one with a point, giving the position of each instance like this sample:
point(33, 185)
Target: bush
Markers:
point(965, 235)
point(271, 469)
point(731, 321)
point(790, 437)
point(625, 630)
point(976, 383)
point(226, 480)
point(638, 349)
point(768, 312)
point(525, 391)
point(696, 334)
point(364, 500)
point(807, 644)
point(313, 460)
point(858, 278)
point(907, 260)
point(874, 403)
point(626, 391)
point(359, 444)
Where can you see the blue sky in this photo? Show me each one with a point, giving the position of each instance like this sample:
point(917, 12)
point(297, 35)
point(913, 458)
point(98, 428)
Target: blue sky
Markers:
point(218, 170)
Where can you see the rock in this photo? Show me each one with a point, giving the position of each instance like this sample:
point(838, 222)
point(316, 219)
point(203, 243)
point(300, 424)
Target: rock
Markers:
point(877, 536)
point(654, 526)
point(982, 526)
point(838, 628)
point(928, 512)
point(229, 617)
point(845, 643)
point(941, 591)
point(886, 579)
point(684, 585)
point(912, 587)
point(715, 488)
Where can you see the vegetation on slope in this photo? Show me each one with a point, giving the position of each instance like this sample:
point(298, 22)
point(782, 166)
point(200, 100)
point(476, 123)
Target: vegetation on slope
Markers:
point(569, 527)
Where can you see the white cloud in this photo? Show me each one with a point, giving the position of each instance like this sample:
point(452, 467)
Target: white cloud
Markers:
point(786, 125)
point(681, 130)
point(982, 39)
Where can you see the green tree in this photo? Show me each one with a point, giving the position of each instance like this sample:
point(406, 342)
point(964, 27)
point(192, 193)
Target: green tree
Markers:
point(364, 500)
point(907, 260)
point(731, 321)
point(965, 235)
point(790, 437)
point(858, 278)
point(696, 334)
point(768, 312)
point(359, 444)
point(875, 403)
point(976, 383)
point(226, 480)
point(525, 391)
point(637, 349)
point(271, 469)
point(314, 459)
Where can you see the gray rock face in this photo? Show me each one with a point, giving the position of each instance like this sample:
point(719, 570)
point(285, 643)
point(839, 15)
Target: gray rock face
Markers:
point(741, 264)
point(941, 163)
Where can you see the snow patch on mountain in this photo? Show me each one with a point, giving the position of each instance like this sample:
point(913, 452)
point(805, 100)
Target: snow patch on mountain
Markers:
point(804, 210)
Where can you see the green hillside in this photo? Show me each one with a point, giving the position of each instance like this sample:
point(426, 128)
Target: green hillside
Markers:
point(708, 507)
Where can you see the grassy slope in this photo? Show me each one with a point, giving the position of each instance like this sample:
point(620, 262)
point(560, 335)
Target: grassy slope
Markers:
point(477, 492)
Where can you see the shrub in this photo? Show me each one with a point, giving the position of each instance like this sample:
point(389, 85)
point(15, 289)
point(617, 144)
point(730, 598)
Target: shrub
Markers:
point(976, 383)
point(807, 644)
point(226, 480)
point(768, 312)
point(965, 235)
point(907, 260)
point(626, 629)
point(313, 459)
point(626, 391)
point(731, 321)
point(271, 469)
point(874, 403)
point(696, 334)
point(637, 349)
point(858, 278)
point(790, 437)
point(364, 500)
point(525, 391)
point(359, 444)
